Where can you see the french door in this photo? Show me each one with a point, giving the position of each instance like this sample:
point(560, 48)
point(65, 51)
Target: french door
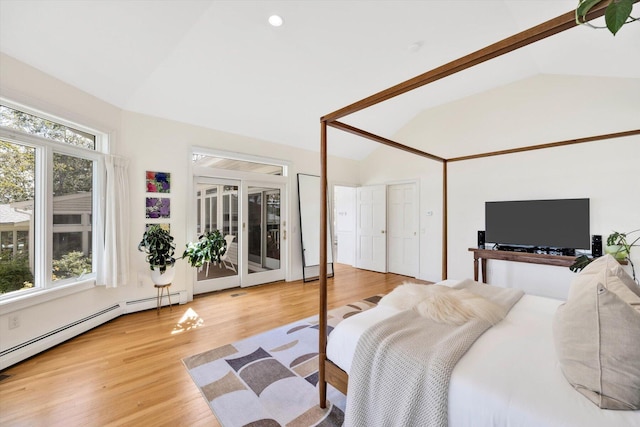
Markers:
point(249, 215)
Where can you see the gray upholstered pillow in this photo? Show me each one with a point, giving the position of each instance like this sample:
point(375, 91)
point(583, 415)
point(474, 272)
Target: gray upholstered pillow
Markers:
point(597, 338)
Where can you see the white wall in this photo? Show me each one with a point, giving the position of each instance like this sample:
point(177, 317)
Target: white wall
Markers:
point(540, 110)
point(564, 172)
point(150, 144)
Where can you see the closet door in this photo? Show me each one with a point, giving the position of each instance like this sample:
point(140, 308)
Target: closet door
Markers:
point(403, 229)
point(371, 237)
point(345, 220)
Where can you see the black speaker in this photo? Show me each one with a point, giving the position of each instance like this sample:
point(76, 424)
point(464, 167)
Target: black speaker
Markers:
point(481, 239)
point(596, 246)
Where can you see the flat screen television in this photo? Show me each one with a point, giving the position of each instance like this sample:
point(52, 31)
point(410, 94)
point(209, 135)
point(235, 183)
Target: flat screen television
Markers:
point(561, 223)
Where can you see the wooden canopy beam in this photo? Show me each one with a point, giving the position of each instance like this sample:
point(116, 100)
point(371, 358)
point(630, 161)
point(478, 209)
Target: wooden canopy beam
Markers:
point(368, 135)
point(549, 145)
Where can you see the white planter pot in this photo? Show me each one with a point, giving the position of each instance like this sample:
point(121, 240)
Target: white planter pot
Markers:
point(617, 251)
point(164, 278)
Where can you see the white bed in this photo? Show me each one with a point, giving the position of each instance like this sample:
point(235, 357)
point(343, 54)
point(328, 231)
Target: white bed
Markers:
point(509, 377)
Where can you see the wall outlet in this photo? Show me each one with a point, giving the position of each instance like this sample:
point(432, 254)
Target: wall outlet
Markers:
point(14, 321)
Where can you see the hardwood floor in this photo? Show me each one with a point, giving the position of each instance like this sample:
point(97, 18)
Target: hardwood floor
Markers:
point(129, 371)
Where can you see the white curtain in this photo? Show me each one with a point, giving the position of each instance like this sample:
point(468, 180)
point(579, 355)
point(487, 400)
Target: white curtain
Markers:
point(115, 260)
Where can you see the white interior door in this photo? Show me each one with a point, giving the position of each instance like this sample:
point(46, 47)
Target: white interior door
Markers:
point(371, 242)
point(403, 230)
point(345, 224)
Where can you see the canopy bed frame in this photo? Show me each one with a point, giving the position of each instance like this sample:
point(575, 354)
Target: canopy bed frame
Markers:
point(328, 371)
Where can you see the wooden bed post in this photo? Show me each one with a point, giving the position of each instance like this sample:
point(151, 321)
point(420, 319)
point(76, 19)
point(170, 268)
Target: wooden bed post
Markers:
point(445, 227)
point(322, 330)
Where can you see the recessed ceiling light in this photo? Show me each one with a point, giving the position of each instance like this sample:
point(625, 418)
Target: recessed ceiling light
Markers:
point(276, 20)
point(416, 46)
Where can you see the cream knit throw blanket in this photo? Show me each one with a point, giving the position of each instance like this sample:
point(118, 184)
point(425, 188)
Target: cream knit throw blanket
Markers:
point(402, 366)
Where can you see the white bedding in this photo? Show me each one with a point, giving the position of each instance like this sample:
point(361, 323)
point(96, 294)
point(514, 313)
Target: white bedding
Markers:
point(509, 377)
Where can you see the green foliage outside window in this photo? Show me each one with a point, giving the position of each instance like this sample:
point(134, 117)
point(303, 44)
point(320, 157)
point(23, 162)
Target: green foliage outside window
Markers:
point(72, 264)
point(15, 274)
point(17, 180)
point(48, 129)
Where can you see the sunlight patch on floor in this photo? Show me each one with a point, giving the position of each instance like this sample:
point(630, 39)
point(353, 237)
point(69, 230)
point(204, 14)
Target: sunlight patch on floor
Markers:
point(189, 320)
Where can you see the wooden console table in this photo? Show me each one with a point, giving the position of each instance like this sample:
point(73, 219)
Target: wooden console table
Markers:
point(484, 254)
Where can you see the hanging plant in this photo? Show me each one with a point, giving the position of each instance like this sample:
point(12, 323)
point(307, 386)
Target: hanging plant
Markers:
point(617, 13)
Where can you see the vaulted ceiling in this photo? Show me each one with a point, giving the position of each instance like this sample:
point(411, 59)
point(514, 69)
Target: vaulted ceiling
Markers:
point(219, 64)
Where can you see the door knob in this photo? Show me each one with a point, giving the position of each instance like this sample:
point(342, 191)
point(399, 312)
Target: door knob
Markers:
point(382, 231)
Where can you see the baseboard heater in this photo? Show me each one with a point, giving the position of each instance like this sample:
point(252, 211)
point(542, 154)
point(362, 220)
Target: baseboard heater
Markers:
point(57, 336)
point(151, 302)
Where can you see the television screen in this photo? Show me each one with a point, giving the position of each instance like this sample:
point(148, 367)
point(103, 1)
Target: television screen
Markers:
point(560, 223)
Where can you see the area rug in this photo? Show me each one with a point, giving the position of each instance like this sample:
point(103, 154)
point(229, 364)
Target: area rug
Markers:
point(271, 379)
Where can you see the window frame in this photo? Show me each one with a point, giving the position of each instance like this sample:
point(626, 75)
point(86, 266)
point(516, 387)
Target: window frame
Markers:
point(43, 254)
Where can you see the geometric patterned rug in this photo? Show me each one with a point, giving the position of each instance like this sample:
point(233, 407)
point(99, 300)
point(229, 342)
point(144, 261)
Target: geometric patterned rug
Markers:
point(271, 379)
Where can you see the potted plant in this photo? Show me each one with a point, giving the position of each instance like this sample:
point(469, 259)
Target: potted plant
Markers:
point(618, 246)
point(158, 244)
point(209, 248)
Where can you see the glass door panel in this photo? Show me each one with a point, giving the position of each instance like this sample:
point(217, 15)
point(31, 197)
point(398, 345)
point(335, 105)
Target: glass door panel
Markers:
point(255, 230)
point(264, 234)
point(272, 256)
point(217, 205)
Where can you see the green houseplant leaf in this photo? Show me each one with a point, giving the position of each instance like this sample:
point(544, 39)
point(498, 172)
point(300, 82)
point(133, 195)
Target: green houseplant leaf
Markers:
point(620, 239)
point(584, 6)
point(617, 14)
point(579, 263)
point(209, 248)
point(158, 244)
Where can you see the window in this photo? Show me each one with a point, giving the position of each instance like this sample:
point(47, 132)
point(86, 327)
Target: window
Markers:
point(48, 181)
point(219, 162)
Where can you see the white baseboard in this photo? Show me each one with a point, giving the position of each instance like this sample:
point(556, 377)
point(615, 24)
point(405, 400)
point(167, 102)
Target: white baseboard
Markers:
point(177, 297)
point(22, 351)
